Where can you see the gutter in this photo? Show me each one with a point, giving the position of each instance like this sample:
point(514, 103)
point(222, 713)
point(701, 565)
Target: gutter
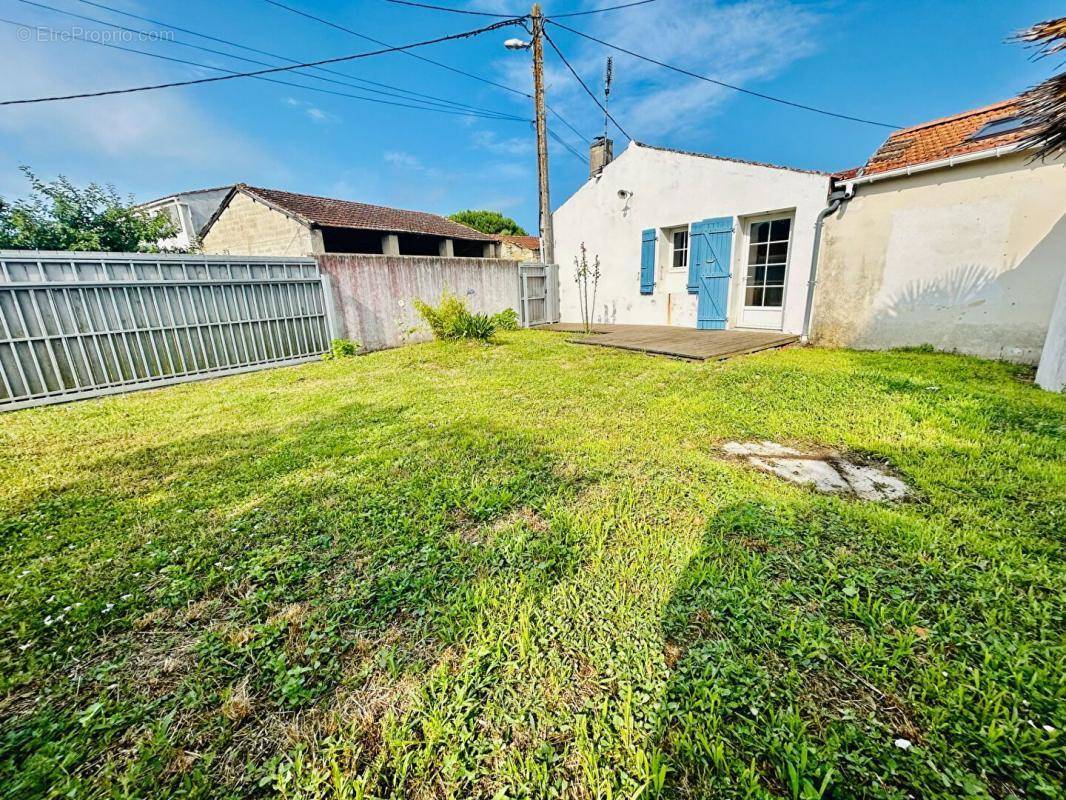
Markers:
point(840, 196)
point(951, 161)
point(837, 198)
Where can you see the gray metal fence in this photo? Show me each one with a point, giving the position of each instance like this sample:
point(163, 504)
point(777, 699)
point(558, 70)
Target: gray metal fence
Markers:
point(75, 325)
point(539, 291)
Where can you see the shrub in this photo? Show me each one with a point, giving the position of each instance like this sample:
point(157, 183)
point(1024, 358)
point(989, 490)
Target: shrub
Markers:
point(506, 320)
point(453, 320)
point(341, 348)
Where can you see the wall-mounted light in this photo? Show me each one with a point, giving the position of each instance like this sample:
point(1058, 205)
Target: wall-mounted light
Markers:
point(624, 194)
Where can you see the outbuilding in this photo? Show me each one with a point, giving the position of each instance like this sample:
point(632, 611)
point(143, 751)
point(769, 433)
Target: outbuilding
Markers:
point(271, 222)
point(952, 235)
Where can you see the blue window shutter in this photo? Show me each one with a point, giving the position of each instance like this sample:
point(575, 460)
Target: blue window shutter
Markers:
point(647, 261)
point(697, 253)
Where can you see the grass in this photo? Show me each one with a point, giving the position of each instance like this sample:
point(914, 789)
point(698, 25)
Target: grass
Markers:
point(525, 570)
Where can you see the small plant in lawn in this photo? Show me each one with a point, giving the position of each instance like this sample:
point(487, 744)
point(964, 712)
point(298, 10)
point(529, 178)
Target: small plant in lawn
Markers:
point(341, 348)
point(453, 320)
point(583, 273)
point(506, 320)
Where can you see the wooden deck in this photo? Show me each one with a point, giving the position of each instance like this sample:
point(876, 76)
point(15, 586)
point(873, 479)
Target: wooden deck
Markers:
point(669, 340)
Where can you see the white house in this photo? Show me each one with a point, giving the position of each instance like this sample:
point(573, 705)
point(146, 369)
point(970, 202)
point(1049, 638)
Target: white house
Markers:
point(188, 211)
point(691, 240)
point(952, 236)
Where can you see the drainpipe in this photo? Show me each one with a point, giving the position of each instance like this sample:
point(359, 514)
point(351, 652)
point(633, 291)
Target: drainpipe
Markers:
point(836, 199)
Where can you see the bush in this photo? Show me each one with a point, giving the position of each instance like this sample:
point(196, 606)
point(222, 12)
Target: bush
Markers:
point(506, 320)
point(453, 320)
point(341, 348)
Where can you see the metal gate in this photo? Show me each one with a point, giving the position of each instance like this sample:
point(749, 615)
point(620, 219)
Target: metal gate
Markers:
point(539, 287)
point(77, 325)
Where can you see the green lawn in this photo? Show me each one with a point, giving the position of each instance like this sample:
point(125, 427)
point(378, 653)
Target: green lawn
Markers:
point(525, 570)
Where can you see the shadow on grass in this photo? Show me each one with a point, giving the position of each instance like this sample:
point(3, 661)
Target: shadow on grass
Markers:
point(806, 639)
point(232, 585)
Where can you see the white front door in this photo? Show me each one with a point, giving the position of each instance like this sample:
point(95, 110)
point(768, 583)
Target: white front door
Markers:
point(764, 272)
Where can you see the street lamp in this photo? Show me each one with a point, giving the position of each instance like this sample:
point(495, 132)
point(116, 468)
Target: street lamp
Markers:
point(536, 30)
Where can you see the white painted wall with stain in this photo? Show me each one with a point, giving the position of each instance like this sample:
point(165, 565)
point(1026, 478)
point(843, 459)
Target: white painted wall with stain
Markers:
point(965, 259)
point(671, 189)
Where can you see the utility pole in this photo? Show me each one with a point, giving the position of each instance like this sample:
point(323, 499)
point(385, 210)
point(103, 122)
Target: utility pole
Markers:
point(547, 240)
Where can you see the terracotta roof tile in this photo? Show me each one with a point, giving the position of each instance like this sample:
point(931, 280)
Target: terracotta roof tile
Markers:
point(329, 212)
point(943, 138)
point(528, 242)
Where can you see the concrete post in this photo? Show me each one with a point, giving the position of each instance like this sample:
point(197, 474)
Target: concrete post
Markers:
point(446, 248)
point(390, 244)
point(318, 246)
point(490, 250)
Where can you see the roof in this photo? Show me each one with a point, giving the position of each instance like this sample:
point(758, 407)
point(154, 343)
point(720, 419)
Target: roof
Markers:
point(184, 194)
point(527, 242)
point(332, 213)
point(726, 158)
point(943, 138)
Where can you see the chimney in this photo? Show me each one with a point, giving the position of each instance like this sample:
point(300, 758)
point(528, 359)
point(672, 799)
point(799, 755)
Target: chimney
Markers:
point(601, 153)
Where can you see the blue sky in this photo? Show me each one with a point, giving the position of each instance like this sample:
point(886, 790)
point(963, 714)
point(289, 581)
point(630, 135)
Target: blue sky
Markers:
point(900, 62)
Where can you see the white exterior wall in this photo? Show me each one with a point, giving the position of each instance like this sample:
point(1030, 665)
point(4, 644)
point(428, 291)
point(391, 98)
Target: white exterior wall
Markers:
point(671, 190)
point(966, 258)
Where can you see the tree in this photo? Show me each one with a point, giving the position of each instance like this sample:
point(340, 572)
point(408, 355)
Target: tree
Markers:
point(489, 222)
point(1044, 106)
point(60, 216)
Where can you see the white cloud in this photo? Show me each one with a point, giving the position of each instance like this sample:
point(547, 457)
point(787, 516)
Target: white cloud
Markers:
point(311, 111)
point(509, 146)
point(164, 129)
point(399, 158)
point(745, 44)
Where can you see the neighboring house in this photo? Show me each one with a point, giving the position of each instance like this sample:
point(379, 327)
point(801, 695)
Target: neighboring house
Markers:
point(690, 239)
point(255, 221)
point(519, 248)
point(189, 211)
point(953, 237)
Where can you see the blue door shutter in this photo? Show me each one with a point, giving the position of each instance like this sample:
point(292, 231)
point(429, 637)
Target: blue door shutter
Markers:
point(712, 259)
point(647, 261)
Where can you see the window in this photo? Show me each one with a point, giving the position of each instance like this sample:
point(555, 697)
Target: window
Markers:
point(767, 259)
point(680, 250)
point(999, 127)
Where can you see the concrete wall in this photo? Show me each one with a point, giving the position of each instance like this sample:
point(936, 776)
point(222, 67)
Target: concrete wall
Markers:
point(967, 259)
point(672, 189)
point(515, 252)
point(1052, 372)
point(374, 295)
point(248, 227)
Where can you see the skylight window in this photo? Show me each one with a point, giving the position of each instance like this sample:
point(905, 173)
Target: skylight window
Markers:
point(999, 127)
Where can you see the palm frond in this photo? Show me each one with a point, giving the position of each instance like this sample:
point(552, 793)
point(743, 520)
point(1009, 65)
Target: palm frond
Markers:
point(1044, 105)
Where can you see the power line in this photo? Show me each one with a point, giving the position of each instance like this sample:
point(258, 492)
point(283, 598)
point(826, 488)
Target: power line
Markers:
point(456, 112)
point(218, 78)
point(499, 114)
point(259, 51)
point(592, 11)
point(588, 91)
point(565, 144)
point(440, 64)
point(722, 83)
point(454, 10)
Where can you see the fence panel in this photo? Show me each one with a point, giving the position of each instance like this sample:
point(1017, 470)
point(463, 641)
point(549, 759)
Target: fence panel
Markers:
point(539, 287)
point(76, 325)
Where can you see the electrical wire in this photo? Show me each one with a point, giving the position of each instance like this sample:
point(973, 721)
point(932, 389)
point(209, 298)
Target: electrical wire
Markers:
point(722, 83)
point(273, 70)
point(455, 10)
point(592, 11)
point(565, 144)
point(588, 91)
point(291, 60)
point(456, 112)
point(440, 64)
point(499, 114)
